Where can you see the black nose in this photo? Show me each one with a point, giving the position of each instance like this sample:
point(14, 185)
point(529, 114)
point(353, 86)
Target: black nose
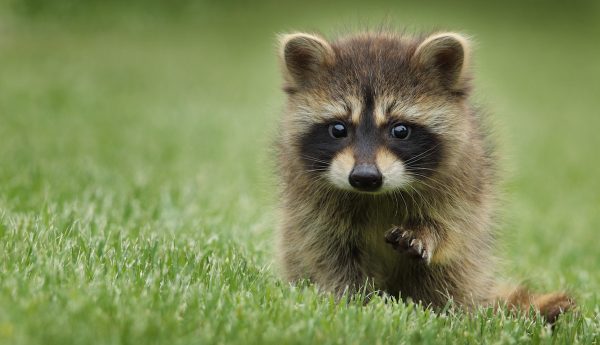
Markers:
point(365, 177)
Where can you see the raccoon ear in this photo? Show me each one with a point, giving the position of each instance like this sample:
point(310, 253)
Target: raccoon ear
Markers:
point(447, 56)
point(304, 56)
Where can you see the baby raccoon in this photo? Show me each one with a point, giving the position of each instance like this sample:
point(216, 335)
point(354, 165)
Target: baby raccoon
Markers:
point(388, 182)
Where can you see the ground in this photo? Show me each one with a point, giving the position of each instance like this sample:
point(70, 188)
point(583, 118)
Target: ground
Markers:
point(138, 199)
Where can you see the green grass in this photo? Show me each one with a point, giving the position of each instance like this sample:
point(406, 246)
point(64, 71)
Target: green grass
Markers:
point(137, 194)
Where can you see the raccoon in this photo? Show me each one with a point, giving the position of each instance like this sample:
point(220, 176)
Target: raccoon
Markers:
point(388, 180)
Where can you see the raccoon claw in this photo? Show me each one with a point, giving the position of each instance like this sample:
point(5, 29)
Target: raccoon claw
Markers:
point(405, 241)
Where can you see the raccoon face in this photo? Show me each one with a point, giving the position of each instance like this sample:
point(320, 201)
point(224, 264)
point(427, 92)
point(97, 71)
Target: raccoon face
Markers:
point(374, 113)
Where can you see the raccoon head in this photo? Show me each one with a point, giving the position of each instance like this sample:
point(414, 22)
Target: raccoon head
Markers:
point(375, 112)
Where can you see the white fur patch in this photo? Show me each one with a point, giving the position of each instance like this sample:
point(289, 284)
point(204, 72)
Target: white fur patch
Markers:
point(391, 167)
point(340, 168)
point(393, 171)
point(356, 109)
point(331, 111)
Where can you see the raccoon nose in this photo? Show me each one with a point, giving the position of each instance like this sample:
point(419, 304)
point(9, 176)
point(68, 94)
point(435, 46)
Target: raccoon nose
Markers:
point(365, 177)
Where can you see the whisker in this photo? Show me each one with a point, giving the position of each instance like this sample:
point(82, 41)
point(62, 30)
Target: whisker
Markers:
point(440, 183)
point(422, 197)
point(422, 155)
point(405, 204)
point(314, 159)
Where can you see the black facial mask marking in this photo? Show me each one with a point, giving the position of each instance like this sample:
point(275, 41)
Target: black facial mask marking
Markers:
point(318, 148)
point(421, 153)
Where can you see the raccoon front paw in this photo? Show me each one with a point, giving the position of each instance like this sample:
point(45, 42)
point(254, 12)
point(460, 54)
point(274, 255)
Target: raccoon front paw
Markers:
point(406, 241)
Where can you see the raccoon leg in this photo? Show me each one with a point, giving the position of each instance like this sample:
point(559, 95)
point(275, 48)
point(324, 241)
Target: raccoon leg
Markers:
point(550, 305)
point(418, 243)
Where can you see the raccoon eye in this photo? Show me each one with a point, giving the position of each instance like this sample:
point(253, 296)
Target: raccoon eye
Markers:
point(338, 130)
point(400, 131)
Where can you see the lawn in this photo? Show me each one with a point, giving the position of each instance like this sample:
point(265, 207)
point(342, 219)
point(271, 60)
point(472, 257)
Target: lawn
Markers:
point(138, 201)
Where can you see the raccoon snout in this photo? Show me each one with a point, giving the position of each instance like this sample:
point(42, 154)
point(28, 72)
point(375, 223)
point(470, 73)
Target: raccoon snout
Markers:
point(366, 177)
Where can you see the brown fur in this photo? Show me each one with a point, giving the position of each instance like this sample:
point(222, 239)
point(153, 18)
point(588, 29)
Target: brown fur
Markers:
point(346, 241)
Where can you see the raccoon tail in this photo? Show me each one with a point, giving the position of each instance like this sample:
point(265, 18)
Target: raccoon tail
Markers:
point(549, 305)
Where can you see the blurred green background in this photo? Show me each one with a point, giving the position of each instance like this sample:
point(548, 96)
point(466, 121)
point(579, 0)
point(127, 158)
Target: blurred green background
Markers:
point(137, 192)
